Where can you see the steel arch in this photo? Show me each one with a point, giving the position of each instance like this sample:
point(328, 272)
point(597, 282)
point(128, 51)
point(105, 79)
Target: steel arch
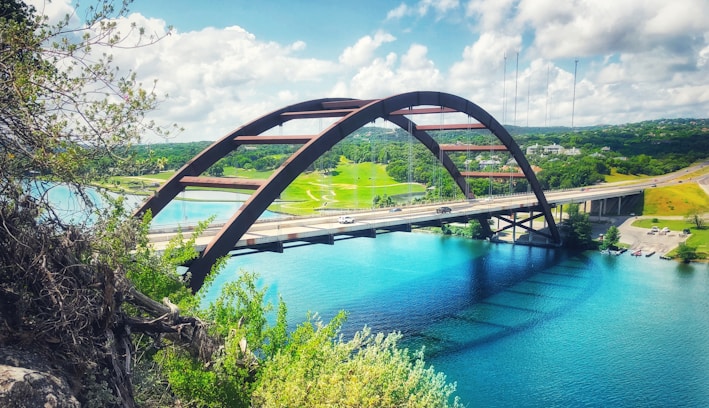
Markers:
point(354, 115)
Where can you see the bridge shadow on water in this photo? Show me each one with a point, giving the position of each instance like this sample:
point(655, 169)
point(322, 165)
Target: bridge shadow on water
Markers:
point(505, 299)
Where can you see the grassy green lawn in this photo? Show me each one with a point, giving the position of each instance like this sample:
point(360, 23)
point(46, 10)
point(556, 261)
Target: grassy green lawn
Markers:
point(699, 238)
point(678, 199)
point(615, 176)
point(350, 186)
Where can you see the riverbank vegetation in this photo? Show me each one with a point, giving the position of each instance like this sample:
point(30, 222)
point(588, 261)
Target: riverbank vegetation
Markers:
point(107, 317)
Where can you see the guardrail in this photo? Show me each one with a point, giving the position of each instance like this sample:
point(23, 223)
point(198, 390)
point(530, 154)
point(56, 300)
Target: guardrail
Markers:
point(593, 191)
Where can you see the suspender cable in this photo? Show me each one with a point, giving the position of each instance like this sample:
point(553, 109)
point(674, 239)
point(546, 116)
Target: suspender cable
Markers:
point(410, 172)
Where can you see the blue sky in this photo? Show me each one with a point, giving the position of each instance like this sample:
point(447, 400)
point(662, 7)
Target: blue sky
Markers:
point(328, 27)
point(229, 62)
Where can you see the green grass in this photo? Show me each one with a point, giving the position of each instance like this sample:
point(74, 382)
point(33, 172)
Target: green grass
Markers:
point(350, 186)
point(615, 176)
point(699, 238)
point(678, 199)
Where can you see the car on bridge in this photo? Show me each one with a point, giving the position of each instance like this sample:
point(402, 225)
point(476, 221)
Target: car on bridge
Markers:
point(443, 210)
point(345, 219)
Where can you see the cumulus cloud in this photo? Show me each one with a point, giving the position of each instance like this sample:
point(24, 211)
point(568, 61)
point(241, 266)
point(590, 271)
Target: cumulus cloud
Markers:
point(440, 7)
point(580, 28)
point(392, 75)
point(363, 50)
point(491, 15)
point(636, 60)
point(55, 11)
point(216, 79)
point(399, 12)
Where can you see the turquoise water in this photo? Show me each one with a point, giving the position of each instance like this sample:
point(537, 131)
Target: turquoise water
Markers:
point(514, 326)
point(71, 207)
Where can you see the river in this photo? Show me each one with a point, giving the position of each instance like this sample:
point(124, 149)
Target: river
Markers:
point(513, 326)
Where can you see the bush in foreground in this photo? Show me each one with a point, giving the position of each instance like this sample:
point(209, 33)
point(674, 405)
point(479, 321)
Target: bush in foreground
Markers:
point(318, 368)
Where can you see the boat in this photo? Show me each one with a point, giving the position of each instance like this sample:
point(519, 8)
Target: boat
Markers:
point(649, 254)
point(637, 253)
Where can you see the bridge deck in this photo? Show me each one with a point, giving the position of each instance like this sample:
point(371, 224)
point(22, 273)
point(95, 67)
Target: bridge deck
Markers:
point(367, 223)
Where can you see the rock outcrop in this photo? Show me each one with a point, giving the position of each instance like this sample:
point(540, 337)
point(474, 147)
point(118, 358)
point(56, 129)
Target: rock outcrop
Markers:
point(27, 381)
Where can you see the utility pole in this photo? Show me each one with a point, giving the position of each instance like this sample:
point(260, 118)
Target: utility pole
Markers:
point(546, 110)
point(504, 83)
point(573, 101)
point(514, 122)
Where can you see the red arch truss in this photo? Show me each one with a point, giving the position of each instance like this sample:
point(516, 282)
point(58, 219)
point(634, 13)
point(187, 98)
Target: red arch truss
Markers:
point(353, 114)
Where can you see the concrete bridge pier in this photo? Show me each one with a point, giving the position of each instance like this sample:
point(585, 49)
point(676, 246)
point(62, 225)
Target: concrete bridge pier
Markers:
point(616, 205)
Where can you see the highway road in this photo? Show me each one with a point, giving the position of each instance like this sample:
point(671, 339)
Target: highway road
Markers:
point(365, 222)
point(305, 228)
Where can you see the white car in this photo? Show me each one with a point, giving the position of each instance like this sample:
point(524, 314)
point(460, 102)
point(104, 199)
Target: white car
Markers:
point(654, 229)
point(345, 219)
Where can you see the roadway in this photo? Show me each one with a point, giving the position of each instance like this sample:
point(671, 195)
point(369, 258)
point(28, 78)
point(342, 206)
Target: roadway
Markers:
point(366, 223)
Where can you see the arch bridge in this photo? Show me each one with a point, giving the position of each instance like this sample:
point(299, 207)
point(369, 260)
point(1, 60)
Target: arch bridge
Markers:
point(350, 115)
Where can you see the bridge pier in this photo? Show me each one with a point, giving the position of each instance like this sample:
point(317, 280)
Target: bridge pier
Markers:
point(615, 206)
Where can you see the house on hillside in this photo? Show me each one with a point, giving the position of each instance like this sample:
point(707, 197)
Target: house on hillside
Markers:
point(554, 149)
point(485, 163)
point(533, 149)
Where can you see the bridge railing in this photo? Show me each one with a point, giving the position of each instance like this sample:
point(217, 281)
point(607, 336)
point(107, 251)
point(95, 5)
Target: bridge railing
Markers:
point(187, 227)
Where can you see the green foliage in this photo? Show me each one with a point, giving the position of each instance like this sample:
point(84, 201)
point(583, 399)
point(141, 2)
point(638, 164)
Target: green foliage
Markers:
point(571, 171)
point(578, 229)
point(318, 368)
point(156, 275)
point(611, 237)
point(697, 218)
point(686, 253)
point(472, 229)
point(239, 316)
point(382, 201)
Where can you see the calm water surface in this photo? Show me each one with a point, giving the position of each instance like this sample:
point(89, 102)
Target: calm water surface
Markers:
point(71, 207)
point(514, 326)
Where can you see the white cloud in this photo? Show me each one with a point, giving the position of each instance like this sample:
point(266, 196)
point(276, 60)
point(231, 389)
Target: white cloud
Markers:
point(394, 75)
point(637, 60)
point(492, 15)
point(399, 12)
point(217, 79)
point(362, 52)
point(581, 28)
point(55, 10)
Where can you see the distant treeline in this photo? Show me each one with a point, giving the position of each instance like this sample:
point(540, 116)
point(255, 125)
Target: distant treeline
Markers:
point(650, 148)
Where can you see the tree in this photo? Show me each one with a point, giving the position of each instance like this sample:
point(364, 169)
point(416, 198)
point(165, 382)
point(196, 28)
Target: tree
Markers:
point(578, 229)
point(611, 237)
point(83, 295)
point(695, 217)
point(686, 253)
point(63, 287)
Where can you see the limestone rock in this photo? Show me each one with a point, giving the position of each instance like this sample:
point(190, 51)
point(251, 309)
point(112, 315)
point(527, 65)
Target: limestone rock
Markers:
point(25, 381)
